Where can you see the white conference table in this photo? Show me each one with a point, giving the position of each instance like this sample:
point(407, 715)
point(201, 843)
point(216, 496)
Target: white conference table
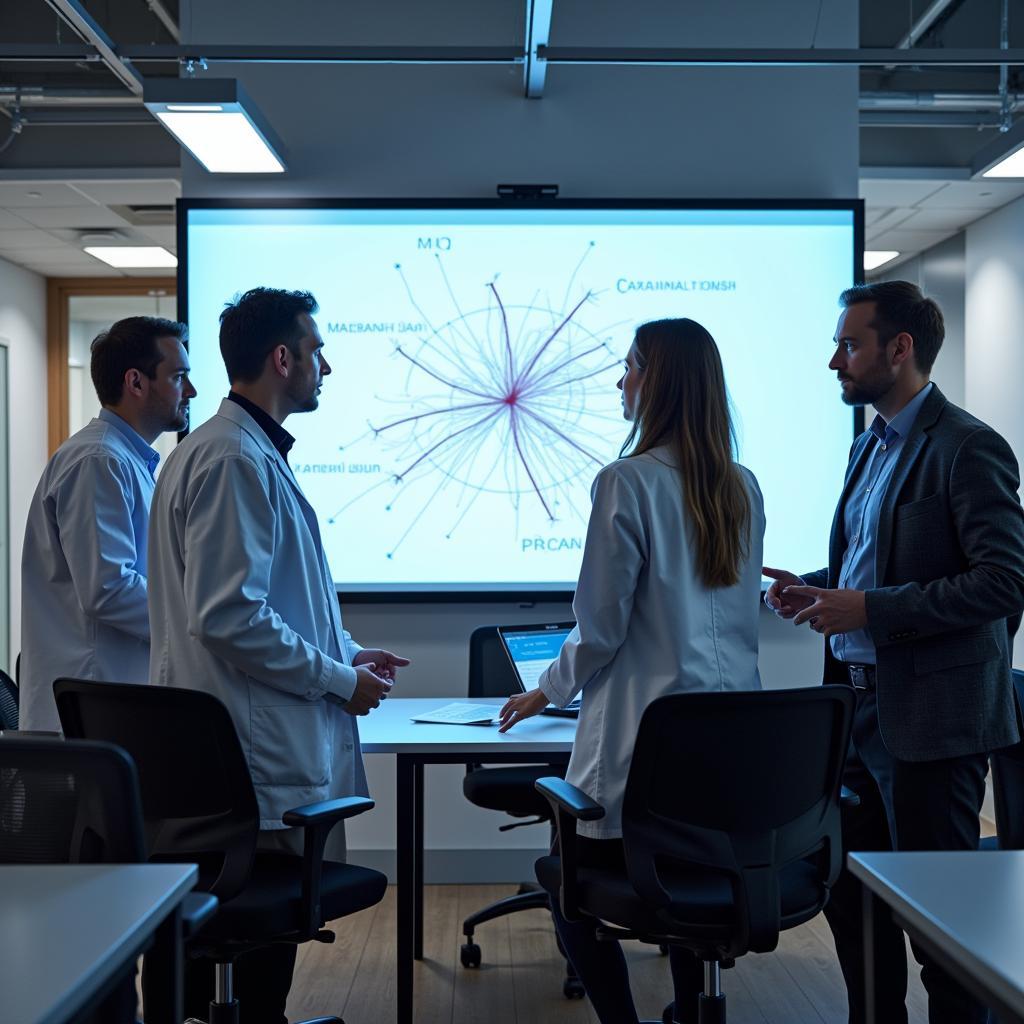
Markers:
point(69, 931)
point(388, 730)
point(964, 908)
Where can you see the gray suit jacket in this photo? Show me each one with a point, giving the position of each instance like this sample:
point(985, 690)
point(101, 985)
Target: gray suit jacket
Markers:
point(949, 587)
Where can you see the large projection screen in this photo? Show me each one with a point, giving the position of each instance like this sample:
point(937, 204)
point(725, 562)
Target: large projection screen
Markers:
point(476, 348)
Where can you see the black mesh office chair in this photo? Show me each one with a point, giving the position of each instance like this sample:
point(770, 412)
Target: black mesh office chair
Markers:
point(78, 802)
point(199, 806)
point(747, 847)
point(68, 803)
point(8, 702)
point(510, 789)
point(1008, 788)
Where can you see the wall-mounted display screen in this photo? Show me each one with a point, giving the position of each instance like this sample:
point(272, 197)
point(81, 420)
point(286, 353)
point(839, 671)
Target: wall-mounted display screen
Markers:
point(476, 348)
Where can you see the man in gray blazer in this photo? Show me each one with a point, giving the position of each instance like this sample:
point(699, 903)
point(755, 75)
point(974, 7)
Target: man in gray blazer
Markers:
point(919, 604)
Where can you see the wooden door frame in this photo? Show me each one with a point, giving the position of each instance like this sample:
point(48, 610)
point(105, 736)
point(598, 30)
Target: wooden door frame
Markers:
point(59, 291)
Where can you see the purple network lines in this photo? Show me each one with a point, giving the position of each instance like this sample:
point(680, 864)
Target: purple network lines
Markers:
point(514, 400)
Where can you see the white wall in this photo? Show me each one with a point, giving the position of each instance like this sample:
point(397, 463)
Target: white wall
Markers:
point(23, 327)
point(994, 374)
point(458, 131)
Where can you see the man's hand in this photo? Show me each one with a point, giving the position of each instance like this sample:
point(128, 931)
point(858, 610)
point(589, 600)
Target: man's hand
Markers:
point(520, 706)
point(369, 692)
point(385, 663)
point(830, 611)
point(781, 600)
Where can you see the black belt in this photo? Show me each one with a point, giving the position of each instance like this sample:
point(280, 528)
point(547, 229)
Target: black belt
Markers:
point(862, 677)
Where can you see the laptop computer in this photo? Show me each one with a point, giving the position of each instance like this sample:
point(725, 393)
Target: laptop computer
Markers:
point(531, 649)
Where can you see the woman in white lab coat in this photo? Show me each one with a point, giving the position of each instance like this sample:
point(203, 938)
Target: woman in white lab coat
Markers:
point(667, 602)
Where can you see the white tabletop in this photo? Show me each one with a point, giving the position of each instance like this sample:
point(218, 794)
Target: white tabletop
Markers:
point(65, 930)
point(388, 730)
point(970, 904)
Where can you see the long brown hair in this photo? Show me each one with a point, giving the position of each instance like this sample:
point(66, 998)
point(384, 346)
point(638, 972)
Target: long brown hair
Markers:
point(683, 404)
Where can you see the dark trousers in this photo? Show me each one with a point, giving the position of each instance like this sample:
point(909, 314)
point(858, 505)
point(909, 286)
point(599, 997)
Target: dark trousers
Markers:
point(904, 805)
point(600, 964)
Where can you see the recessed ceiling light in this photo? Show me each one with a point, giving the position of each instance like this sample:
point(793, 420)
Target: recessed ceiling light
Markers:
point(34, 195)
point(875, 258)
point(133, 255)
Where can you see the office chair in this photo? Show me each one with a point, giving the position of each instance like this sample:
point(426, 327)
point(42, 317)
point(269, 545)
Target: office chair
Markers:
point(1008, 788)
point(8, 702)
point(77, 802)
point(68, 803)
point(510, 789)
point(730, 825)
point(199, 806)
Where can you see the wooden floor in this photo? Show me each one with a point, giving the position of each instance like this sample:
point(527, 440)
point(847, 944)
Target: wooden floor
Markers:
point(520, 980)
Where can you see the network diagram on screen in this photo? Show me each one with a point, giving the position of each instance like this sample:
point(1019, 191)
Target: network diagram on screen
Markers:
point(475, 355)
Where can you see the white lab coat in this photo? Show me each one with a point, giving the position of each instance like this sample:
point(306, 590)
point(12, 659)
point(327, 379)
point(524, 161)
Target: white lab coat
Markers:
point(646, 625)
point(243, 605)
point(83, 568)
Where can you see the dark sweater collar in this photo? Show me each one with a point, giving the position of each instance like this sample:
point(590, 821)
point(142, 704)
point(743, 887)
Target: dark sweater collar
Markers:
point(276, 434)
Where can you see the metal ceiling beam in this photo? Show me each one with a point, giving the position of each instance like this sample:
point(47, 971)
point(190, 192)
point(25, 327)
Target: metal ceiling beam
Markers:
point(882, 100)
point(30, 96)
point(245, 54)
point(538, 28)
point(75, 15)
point(927, 119)
point(928, 18)
point(48, 53)
point(61, 116)
point(160, 12)
point(707, 57)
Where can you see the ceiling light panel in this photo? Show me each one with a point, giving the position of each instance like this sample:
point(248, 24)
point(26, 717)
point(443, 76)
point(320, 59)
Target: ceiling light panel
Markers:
point(217, 122)
point(133, 256)
point(875, 258)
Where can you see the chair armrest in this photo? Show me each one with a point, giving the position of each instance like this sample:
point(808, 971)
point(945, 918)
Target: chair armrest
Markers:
point(847, 798)
point(569, 805)
point(565, 796)
point(196, 909)
point(327, 811)
point(317, 820)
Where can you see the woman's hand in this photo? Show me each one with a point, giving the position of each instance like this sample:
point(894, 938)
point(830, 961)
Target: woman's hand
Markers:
point(520, 706)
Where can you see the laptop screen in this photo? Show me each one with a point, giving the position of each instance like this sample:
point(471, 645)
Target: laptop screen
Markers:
point(532, 648)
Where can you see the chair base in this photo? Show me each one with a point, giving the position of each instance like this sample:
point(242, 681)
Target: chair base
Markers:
point(529, 900)
point(529, 897)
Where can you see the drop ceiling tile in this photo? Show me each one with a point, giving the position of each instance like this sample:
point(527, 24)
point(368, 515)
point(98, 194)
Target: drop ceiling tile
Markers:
point(984, 195)
point(38, 195)
point(74, 217)
point(906, 241)
point(60, 268)
point(873, 214)
point(157, 272)
point(942, 218)
point(9, 219)
point(12, 239)
point(165, 236)
point(897, 192)
point(131, 193)
point(893, 218)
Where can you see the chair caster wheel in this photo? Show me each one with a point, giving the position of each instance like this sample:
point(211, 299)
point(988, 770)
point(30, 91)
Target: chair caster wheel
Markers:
point(572, 988)
point(470, 954)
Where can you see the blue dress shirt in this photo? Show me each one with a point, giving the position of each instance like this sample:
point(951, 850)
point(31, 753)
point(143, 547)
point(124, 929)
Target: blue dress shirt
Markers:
point(149, 455)
point(860, 520)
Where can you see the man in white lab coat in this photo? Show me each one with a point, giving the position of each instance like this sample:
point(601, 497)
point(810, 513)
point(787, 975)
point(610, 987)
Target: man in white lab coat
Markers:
point(83, 569)
point(243, 604)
